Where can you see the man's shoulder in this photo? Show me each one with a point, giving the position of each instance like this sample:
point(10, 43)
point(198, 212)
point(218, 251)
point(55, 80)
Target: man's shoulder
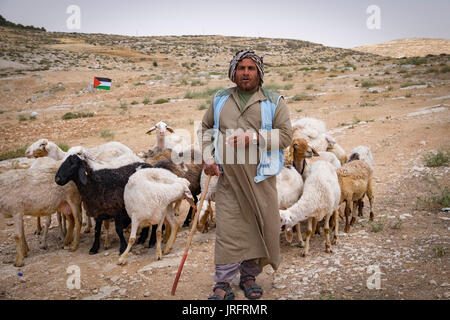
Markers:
point(223, 92)
point(271, 95)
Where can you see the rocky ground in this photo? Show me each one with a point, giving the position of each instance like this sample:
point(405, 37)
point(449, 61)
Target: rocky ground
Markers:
point(398, 107)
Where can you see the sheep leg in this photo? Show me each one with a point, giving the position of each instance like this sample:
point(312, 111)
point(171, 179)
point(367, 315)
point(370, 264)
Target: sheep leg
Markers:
point(76, 229)
point(369, 194)
point(173, 235)
point(298, 235)
point(354, 213)
point(159, 232)
point(38, 226)
point(69, 232)
point(107, 243)
point(18, 228)
point(120, 222)
point(326, 228)
point(360, 207)
point(60, 226)
point(347, 216)
point(189, 215)
point(203, 217)
point(315, 227)
point(158, 242)
point(43, 240)
point(305, 251)
point(143, 236)
point(131, 241)
point(336, 227)
point(98, 229)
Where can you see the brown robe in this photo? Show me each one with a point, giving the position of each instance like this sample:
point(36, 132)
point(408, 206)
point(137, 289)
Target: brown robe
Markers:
point(247, 216)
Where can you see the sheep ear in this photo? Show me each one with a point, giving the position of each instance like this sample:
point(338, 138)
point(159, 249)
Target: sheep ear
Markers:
point(315, 153)
point(151, 129)
point(169, 129)
point(82, 174)
point(291, 154)
point(289, 234)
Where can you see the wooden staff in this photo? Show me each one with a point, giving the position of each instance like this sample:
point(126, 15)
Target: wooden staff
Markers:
point(191, 235)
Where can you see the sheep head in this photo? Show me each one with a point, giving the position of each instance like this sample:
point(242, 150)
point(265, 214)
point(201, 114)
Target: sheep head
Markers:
point(73, 168)
point(161, 128)
point(299, 149)
point(38, 149)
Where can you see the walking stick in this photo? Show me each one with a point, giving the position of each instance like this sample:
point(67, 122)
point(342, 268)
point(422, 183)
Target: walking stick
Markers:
point(191, 235)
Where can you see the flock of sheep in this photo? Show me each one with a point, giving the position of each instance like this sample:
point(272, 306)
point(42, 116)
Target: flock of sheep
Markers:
point(110, 182)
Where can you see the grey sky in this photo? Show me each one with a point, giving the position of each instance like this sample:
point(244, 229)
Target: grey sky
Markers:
point(340, 23)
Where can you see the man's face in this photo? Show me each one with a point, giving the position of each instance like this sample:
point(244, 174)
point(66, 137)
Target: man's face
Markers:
point(247, 77)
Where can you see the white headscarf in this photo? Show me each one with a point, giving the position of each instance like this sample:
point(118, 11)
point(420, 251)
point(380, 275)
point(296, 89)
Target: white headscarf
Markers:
point(246, 54)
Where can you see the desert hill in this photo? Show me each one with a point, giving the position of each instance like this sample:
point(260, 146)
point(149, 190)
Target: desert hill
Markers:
point(414, 47)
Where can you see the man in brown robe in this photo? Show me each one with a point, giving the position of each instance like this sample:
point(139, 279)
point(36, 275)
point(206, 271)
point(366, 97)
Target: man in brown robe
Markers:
point(247, 216)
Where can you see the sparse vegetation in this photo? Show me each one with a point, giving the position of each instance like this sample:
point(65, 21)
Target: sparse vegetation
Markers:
point(302, 97)
point(19, 152)
point(439, 195)
point(107, 134)
point(436, 159)
point(377, 227)
point(76, 115)
point(161, 100)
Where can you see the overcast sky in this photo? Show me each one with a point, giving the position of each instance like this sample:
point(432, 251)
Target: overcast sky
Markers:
point(338, 23)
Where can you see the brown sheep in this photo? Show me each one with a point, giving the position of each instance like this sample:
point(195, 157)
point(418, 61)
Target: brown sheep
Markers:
point(355, 180)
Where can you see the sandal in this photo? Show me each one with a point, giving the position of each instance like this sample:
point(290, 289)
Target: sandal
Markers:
point(250, 289)
point(225, 286)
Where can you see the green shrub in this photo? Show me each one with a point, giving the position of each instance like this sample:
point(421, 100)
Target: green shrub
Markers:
point(302, 97)
point(107, 134)
point(439, 195)
point(161, 100)
point(445, 69)
point(63, 146)
point(208, 93)
point(19, 152)
point(368, 84)
point(436, 159)
point(70, 115)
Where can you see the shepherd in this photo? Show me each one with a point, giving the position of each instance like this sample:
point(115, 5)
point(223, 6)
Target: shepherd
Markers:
point(246, 161)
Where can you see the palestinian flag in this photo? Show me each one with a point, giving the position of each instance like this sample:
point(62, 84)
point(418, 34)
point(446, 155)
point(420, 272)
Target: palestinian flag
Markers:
point(102, 83)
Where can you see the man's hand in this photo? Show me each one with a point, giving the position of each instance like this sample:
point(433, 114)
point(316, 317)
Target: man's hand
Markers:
point(211, 168)
point(240, 139)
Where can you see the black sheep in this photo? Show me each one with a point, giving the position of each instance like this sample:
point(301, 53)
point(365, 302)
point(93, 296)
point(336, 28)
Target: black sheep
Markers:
point(102, 193)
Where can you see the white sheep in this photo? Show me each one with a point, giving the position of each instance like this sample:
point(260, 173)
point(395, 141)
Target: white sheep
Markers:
point(108, 156)
point(34, 192)
point(335, 148)
point(151, 197)
point(320, 200)
point(163, 142)
point(362, 153)
point(312, 130)
point(206, 214)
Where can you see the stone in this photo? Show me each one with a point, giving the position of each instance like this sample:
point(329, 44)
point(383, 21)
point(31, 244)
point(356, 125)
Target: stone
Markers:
point(433, 282)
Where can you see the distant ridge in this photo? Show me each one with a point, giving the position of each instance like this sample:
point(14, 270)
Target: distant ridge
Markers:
point(412, 47)
point(6, 23)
